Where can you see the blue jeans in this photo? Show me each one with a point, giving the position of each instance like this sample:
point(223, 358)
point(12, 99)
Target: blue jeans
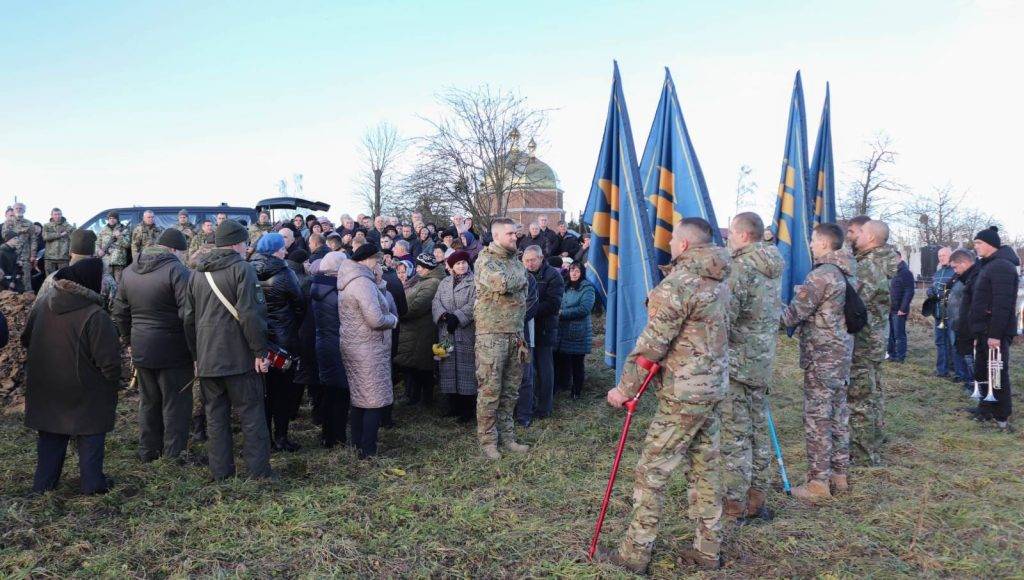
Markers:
point(943, 351)
point(963, 366)
point(897, 337)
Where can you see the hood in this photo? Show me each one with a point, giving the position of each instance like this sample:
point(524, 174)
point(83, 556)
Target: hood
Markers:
point(765, 258)
point(902, 266)
point(1005, 253)
point(153, 258)
point(218, 259)
point(266, 266)
point(350, 270)
point(841, 258)
point(69, 296)
point(322, 285)
point(705, 261)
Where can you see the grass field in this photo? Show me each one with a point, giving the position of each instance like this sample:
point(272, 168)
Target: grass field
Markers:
point(949, 501)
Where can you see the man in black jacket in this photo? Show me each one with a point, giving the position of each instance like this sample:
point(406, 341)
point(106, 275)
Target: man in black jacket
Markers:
point(227, 335)
point(148, 310)
point(568, 244)
point(901, 293)
point(550, 287)
point(991, 302)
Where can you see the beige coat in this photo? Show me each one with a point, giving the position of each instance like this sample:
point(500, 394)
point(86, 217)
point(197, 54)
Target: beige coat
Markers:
point(367, 313)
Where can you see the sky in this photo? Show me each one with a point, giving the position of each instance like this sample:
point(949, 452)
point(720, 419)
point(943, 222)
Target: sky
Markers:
point(107, 104)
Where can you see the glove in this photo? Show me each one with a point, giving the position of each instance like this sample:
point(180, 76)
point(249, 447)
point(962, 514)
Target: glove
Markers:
point(451, 321)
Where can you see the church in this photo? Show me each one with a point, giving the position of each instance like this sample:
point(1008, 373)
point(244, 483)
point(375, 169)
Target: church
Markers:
point(536, 192)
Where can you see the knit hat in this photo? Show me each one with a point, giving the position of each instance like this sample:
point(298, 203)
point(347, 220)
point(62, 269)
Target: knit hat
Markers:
point(990, 236)
point(229, 233)
point(298, 256)
point(456, 257)
point(87, 272)
point(427, 261)
point(330, 263)
point(83, 242)
point(173, 239)
point(367, 250)
point(269, 243)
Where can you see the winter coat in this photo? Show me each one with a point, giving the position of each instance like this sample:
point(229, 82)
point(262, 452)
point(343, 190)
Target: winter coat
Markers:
point(575, 329)
point(285, 305)
point(58, 245)
point(940, 282)
point(149, 309)
point(367, 314)
point(457, 372)
point(306, 371)
point(541, 240)
point(550, 287)
point(323, 293)
point(991, 312)
point(955, 301)
point(74, 363)
point(418, 331)
point(754, 304)
point(901, 289)
point(818, 308)
point(567, 244)
point(961, 325)
point(396, 290)
point(221, 345)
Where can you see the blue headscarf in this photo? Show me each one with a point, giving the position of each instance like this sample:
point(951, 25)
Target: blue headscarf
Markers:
point(269, 243)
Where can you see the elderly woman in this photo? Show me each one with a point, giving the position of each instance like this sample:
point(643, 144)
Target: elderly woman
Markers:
point(327, 327)
point(575, 331)
point(414, 357)
point(426, 241)
point(453, 314)
point(74, 369)
point(367, 314)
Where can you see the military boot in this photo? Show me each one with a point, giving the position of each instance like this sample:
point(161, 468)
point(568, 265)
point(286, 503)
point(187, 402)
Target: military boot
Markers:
point(514, 447)
point(734, 509)
point(490, 451)
point(812, 491)
point(693, 557)
point(839, 484)
point(756, 508)
point(606, 556)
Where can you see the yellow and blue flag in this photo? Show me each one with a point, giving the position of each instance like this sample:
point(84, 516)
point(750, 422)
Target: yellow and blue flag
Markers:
point(673, 183)
point(791, 225)
point(823, 173)
point(619, 261)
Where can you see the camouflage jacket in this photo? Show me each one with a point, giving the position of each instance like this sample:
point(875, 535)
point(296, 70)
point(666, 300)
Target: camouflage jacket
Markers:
point(115, 250)
point(198, 253)
point(26, 232)
point(143, 237)
point(817, 308)
point(58, 245)
point(256, 232)
point(198, 240)
point(500, 291)
point(188, 229)
point(875, 269)
point(753, 312)
point(687, 330)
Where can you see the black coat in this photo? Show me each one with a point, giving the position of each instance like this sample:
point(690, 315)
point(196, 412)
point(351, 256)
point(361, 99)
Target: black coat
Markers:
point(221, 345)
point(74, 363)
point(285, 307)
point(550, 287)
point(306, 372)
point(993, 296)
point(397, 292)
point(149, 309)
point(961, 327)
point(567, 244)
point(324, 305)
point(542, 241)
point(901, 289)
point(552, 237)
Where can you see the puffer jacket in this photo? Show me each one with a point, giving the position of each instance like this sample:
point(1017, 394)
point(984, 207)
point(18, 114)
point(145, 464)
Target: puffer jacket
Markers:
point(550, 287)
point(285, 306)
point(418, 331)
point(323, 295)
point(686, 331)
point(306, 371)
point(575, 329)
point(754, 304)
point(991, 312)
point(367, 314)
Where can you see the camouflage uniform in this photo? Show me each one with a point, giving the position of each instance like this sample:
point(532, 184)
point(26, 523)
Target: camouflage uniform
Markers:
point(187, 229)
point(686, 333)
point(875, 269)
point(199, 246)
point(825, 351)
point(753, 332)
point(500, 306)
point(57, 237)
point(115, 250)
point(256, 232)
point(144, 236)
point(26, 232)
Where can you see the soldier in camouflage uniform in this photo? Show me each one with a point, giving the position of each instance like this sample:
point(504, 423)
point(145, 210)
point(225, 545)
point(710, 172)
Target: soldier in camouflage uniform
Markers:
point(203, 238)
point(876, 267)
point(754, 283)
point(57, 237)
point(817, 308)
point(145, 234)
point(501, 289)
point(184, 226)
point(256, 230)
point(687, 334)
point(25, 231)
point(113, 245)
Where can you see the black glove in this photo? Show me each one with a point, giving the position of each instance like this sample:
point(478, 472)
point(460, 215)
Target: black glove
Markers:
point(451, 321)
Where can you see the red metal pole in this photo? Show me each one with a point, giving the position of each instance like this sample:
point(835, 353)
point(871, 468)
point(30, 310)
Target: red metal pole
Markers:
point(652, 369)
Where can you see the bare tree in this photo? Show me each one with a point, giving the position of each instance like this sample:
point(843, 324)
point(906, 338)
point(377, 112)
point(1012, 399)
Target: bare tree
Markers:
point(380, 149)
point(746, 187)
point(472, 159)
point(865, 195)
point(942, 218)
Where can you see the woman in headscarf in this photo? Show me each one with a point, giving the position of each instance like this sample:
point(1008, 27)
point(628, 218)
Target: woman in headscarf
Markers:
point(453, 314)
point(415, 358)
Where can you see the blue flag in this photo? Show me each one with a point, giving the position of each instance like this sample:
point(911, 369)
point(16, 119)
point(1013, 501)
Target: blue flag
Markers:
point(823, 173)
point(619, 262)
point(670, 174)
point(791, 224)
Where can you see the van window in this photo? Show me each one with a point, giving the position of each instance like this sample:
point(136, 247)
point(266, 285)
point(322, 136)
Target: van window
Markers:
point(97, 223)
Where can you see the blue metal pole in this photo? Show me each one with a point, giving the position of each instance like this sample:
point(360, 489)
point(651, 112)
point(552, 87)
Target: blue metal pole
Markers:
point(775, 444)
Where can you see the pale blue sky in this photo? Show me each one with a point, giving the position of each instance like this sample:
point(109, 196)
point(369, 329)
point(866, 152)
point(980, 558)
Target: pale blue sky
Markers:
point(120, 103)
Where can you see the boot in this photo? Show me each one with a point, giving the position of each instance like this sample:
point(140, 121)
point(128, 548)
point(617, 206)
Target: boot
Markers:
point(756, 508)
point(692, 557)
point(839, 484)
point(514, 447)
point(734, 509)
point(812, 491)
point(606, 556)
point(490, 451)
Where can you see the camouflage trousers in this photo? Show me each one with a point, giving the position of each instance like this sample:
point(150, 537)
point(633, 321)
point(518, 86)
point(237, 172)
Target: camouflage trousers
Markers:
point(679, 432)
point(498, 374)
point(746, 449)
point(826, 423)
point(54, 265)
point(867, 405)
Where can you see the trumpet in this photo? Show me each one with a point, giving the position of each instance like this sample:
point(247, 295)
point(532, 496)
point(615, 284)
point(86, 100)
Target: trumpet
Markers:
point(995, 373)
point(944, 307)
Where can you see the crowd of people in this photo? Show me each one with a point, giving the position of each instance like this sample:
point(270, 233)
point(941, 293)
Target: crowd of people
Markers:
point(255, 318)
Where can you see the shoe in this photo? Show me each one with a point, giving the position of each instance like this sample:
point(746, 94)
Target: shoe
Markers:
point(525, 423)
point(812, 491)
point(606, 556)
point(284, 444)
point(108, 483)
point(734, 509)
point(691, 557)
point(515, 447)
point(491, 452)
point(839, 484)
point(982, 416)
point(755, 502)
point(269, 477)
point(1004, 426)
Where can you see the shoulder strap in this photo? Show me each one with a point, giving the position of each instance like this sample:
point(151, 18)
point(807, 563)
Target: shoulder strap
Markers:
point(220, 296)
